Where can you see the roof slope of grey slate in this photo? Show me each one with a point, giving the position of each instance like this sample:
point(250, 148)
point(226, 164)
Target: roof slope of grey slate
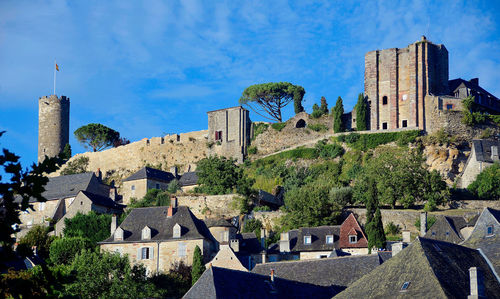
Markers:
point(66, 185)
point(218, 222)
point(161, 226)
point(434, 269)
point(318, 238)
point(249, 244)
point(103, 201)
point(482, 149)
point(151, 173)
point(188, 179)
point(338, 271)
point(224, 283)
point(455, 83)
point(447, 228)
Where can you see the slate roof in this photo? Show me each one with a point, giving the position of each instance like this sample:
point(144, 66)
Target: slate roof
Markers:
point(249, 244)
point(224, 283)
point(267, 198)
point(447, 228)
point(188, 179)
point(455, 83)
point(103, 201)
point(482, 149)
point(161, 225)
point(219, 222)
point(339, 271)
point(434, 269)
point(318, 238)
point(151, 173)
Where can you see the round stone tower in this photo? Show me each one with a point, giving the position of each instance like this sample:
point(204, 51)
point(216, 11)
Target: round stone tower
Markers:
point(53, 125)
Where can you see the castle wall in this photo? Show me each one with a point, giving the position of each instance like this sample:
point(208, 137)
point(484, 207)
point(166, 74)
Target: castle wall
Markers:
point(53, 125)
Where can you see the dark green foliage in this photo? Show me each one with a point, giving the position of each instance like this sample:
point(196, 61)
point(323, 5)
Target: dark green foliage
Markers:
point(198, 265)
point(430, 222)
point(487, 183)
point(495, 118)
point(278, 126)
point(252, 150)
point(392, 229)
point(66, 153)
point(318, 127)
point(259, 128)
point(268, 99)
point(324, 105)
point(96, 136)
point(341, 195)
point(253, 225)
point(92, 226)
point(262, 209)
point(64, 250)
point(21, 284)
point(176, 282)
point(219, 175)
point(78, 165)
point(370, 141)
point(173, 186)
point(153, 198)
point(37, 236)
point(361, 113)
point(243, 204)
point(338, 111)
point(317, 112)
point(375, 232)
point(329, 150)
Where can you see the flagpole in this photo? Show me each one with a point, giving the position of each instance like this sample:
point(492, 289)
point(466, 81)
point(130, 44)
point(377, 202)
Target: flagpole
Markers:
point(55, 63)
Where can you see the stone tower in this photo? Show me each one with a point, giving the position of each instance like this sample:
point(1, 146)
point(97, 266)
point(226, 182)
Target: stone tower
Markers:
point(397, 81)
point(53, 125)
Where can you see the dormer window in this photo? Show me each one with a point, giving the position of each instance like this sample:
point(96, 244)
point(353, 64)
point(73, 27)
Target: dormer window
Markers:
point(307, 240)
point(118, 235)
point(176, 231)
point(489, 230)
point(329, 239)
point(353, 239)
point(146, 233)
point(132, 187)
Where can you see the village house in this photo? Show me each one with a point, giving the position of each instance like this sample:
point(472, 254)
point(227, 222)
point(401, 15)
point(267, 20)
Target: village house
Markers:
point(146, 178)
point(158, 237)
point(188, 181)
point(483, 154)
point(66, 195)
point(453, 229)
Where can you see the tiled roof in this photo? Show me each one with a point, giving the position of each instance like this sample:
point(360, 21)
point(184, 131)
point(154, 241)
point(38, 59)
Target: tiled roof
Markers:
point(103, 201)
point(225, 283)
point(66, 185)
point(455, 83)
point(161, 225)
point(482, 149)
point(249, 244)
point(151, 173)
point(433, 269)
point(188, 179)
point(338, 271)
point(447, 228)
point(318, 238)
point(217, 222)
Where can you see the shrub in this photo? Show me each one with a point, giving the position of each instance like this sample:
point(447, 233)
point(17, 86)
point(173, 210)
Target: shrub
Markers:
point(198, 265)
point(262, 209)
point(173, 186)
point(329, 150)
point(63, 251)
point(352, 138)
point(278, 126)
point(253, 225)
point(487, 183)
point(91, 226)
point(392, 229)
point(495, 118)
point(318, 127)
point(370, 141)
point(37, 236)
point(78, 165)
point(252, 150)
point(210, 144)
point(430, 222)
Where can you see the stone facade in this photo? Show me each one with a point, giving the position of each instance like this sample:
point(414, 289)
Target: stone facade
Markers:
point(138, 188)
point(229, 132)
point(226, 258)
point(53, 125)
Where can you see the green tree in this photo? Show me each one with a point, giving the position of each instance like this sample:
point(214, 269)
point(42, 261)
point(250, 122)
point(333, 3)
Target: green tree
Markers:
point(324, 105)
point(316, 113)
point(21, 284)
point(338, 111)
point(198, 265)
point(154, 197)
point(93, 226)
point(173, 186)
point(64, 250)
point(253, 225)
point(268, 99)
point(96, 136)
point(487, 183)
point(66, 153)
point(37, 236)
point(375, 231)
point(361, 113)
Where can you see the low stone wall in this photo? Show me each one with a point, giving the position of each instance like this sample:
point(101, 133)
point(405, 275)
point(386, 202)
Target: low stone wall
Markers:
point(269, 219)
point(478, 204)
point(211, 206)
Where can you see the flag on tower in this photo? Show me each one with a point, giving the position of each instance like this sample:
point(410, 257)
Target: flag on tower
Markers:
point(57, 67)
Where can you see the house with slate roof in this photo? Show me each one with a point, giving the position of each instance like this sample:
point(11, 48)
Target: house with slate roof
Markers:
point(157, 237)
point(66, 195)
point(227, 283)
point(321, 241)
point(483, 154)
point(429, 269)
point(486, 236)
point(460, 88)
point(146, 178)
point(188, 181)
point(453, 229)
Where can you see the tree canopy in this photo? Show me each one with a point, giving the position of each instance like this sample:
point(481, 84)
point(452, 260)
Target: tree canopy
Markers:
point(96, 136)
point(93, 226)
point(268, 99)
point(198, 265)
point(487, 183)
point(361, 113)
point(338, 111)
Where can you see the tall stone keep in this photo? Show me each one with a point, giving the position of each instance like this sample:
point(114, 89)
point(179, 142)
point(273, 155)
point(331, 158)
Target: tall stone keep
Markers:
point(229, 132)
point(53, 125)
point(397, 81)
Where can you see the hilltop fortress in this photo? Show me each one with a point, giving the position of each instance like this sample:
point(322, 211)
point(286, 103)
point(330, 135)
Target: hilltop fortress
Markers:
point(405, 88)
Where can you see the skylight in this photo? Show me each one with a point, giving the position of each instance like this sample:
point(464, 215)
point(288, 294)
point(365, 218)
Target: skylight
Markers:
point(405, 286)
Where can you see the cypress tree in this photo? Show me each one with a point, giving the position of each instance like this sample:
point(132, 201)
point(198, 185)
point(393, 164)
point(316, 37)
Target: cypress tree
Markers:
point(324, 106)
point(338, 111)
point(374, 227)
point(361, 113)
point(198, 266)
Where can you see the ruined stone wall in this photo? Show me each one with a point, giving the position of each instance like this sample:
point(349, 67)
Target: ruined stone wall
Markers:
point(210, 206)
point(53, 125)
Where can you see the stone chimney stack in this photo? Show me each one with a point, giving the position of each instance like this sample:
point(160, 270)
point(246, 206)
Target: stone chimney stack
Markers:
point(406, 236)
point(272, 275)
point(396, 248)
point(423, 223)
point(173, 170)
point(476, 283)
point(114, 224)
point(285, 242)
point(173, 206)
point(474, 81)
point(263, 238)
point(235, 245)
point(494, 153)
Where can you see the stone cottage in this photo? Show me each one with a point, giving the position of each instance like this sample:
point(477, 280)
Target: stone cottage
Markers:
point(146, 178)
point(483, 154)
point(453, 229)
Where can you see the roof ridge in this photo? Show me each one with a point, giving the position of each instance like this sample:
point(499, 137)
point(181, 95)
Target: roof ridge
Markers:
point(428, 263)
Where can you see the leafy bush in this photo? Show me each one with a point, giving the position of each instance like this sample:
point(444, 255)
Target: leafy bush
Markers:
point(495, 118)
point(392, 229)
point(198, 265)
point(253, 225)
point(487, 183)
point(318, 127)
point(64, 250)
point(252, 150)
point(92, 226)
point(370, 141)
point(278, 126)
point(78, 165)
point(173, 186)
point(329, 150)
point(259, 128)
point(37, 236)
point(262, 209)
point(153, 198)
point(317, 112)
point(438, 137)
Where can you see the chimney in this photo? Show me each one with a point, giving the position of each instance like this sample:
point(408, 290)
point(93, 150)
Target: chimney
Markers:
point(396, 248)
point(423, 223)
point(474, 81)
point(114, 224)
point(285, 242)
point(424, 38)
point(173, 170)
point(263, 238)
point(172, 207)
point(272, 275)
point(494, 153)
point(98, 174)
point(235, 245)
point(476, 283)
point(406, 236)
point(263, 256)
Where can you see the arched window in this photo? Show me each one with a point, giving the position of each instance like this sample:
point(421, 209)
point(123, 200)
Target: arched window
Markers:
point(384, 100)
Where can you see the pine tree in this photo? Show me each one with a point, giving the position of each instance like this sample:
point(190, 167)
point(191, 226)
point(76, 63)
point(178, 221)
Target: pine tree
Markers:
point(361, 113)
point(374, 227)
point(338, 111)
point(198, 265)
point(66, 153)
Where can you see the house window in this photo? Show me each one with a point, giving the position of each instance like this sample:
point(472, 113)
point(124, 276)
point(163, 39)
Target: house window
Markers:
point(307, 240)
point(132, 188)
point(42, 206)
point(353, 239)
point(322, 256)
point(405, 286)
point(433, 233)
point(329, 239)
point(404, 123)
point(449, 106)
point(384, 100)
point(145, 254)
point(181, 249)
point(218, 135)
point(384, 126)
point(489, 230)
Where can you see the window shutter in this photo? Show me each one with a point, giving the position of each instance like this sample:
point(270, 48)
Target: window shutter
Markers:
point(139, 254)
point(151, 253)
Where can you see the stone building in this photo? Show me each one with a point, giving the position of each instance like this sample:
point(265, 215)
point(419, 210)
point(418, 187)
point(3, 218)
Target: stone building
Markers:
point(483, 154)
point(53, 125)
point(229, 132)
point(146, 178)
point(453, 229)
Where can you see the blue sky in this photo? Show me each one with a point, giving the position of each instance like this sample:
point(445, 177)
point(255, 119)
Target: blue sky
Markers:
point(155, 67)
